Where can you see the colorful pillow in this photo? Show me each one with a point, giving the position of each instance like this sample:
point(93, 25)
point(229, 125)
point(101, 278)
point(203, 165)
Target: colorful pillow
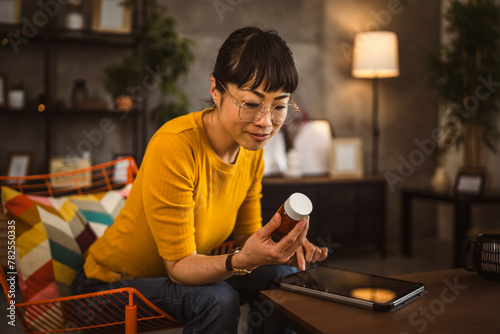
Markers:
point(52, 237)
point(101, 209)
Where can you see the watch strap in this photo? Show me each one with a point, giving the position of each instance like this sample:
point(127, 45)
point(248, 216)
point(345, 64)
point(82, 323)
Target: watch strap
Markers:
point(231, 268)
point(229, 265)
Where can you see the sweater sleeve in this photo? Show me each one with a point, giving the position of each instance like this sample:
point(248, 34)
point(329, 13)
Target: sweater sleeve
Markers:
point(168, 195)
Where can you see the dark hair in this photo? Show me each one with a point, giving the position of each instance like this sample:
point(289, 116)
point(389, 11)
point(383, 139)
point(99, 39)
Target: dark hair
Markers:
point(252, 56)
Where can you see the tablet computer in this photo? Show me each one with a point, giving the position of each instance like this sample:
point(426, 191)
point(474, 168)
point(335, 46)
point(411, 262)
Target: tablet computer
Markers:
point(358, 289)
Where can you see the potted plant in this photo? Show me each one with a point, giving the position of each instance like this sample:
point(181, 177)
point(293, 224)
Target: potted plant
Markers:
point(164, 54)
point(169, 54)
point(465, 73)
point(120, 77)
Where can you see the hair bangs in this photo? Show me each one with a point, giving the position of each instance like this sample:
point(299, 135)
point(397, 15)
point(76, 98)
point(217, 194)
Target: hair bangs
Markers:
point(265, 59)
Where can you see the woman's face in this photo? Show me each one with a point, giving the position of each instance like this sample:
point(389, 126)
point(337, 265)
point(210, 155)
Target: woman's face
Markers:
point(252, 136)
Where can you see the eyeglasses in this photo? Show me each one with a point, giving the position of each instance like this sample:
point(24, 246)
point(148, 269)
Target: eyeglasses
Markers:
point(250, 111)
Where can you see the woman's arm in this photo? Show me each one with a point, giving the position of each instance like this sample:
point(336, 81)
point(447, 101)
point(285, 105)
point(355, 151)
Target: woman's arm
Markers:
point(259, 249)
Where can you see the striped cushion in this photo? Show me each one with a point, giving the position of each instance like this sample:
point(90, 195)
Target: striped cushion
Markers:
point(52, 237)
point(101, 209)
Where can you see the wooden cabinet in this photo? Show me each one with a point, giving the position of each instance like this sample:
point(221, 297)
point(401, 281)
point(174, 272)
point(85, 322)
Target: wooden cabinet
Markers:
point(349, 212)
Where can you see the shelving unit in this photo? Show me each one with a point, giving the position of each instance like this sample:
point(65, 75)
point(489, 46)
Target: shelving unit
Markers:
point(49, 40)
point(48, 117)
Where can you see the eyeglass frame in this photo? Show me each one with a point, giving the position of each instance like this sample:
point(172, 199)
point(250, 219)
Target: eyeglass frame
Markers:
point(263, 110)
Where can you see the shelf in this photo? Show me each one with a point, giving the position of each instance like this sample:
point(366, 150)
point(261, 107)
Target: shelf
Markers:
point(66, 112)
point(52, 45)
point(18, 112)
point(86, 36)
point(92, 37)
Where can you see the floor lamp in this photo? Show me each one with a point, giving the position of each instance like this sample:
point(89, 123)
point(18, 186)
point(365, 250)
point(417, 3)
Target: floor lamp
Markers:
point(375, 56)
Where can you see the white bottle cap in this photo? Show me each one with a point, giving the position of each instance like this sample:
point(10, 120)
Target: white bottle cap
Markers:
point(298, 206)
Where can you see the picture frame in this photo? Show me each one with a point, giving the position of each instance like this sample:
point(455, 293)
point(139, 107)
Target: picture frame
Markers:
point(121, 168)
point(61, 164)
point(469, 182)
point(346, 158)
point(19, 164)
point(117, 156)
point(111, 16)
point(3, 92)
point(10, 11)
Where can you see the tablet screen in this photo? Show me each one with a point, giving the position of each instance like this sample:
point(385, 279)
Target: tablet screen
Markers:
point(375, 289)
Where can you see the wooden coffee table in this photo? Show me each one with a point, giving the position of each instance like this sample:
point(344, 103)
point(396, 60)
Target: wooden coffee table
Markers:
point(457, 301)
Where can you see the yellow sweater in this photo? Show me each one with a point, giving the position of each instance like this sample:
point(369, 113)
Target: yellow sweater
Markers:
point(184, 199)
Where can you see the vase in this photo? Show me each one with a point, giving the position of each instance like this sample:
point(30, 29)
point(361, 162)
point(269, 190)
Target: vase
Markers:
point(471, 145)
point(294, 164)
point(124, 102)
point(440, 180)
point(80, 94)
point(16, 99)
point(74, 21)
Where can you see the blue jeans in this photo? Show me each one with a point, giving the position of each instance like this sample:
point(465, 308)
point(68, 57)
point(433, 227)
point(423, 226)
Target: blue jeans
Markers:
point(212, 308)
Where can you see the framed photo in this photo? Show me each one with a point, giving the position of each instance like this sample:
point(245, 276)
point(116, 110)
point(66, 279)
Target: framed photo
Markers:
point(117, 156)
point(3, 91)
point(120, 172)
point(469, 182)
point(111, 16)
point(10, 11)
point(18, 164)
point(346, 158)
point(68, 163)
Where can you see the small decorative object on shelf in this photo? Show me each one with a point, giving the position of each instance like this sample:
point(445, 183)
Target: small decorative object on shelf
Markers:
point(124, 102)
point(440, 180)
point(470, 181)
point(19, 163)
point(112, 16)
point(74, 19)
point(346, 158)
point(80, 94)
point(10, 11)
point(17, 96)
point(119, 80)
point(294, 164)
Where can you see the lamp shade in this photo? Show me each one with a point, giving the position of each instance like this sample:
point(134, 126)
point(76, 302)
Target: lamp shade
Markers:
point(375, 55)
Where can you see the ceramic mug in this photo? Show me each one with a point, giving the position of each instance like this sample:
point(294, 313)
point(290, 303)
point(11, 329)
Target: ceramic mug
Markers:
point(485, 255)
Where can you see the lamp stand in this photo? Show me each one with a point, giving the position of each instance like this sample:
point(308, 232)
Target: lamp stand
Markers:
point(375, 128)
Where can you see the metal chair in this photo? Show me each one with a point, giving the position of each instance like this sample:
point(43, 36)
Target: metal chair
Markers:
point(123, 310)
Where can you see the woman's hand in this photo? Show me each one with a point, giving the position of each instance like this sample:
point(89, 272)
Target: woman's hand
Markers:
point(307, 254)
point(260, 249)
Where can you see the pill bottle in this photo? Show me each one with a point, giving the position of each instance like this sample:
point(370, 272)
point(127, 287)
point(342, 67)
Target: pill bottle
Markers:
point(295, 208)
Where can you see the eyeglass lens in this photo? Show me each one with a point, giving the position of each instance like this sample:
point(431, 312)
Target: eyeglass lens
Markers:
point(280, 113)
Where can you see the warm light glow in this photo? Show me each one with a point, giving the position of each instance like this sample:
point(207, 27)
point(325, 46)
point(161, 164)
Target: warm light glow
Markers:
point(41, 107)
point(373, 294)
point(375, 55)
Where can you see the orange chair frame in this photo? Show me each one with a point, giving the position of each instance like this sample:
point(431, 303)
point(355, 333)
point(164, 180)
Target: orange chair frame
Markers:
point(59, 314)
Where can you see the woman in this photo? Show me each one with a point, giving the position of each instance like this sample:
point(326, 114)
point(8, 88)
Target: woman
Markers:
point(200, 182)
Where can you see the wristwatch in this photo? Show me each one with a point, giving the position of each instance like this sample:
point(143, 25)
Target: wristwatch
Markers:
point(233, 270)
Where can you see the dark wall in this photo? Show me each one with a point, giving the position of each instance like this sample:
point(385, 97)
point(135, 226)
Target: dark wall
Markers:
point(318, 31)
